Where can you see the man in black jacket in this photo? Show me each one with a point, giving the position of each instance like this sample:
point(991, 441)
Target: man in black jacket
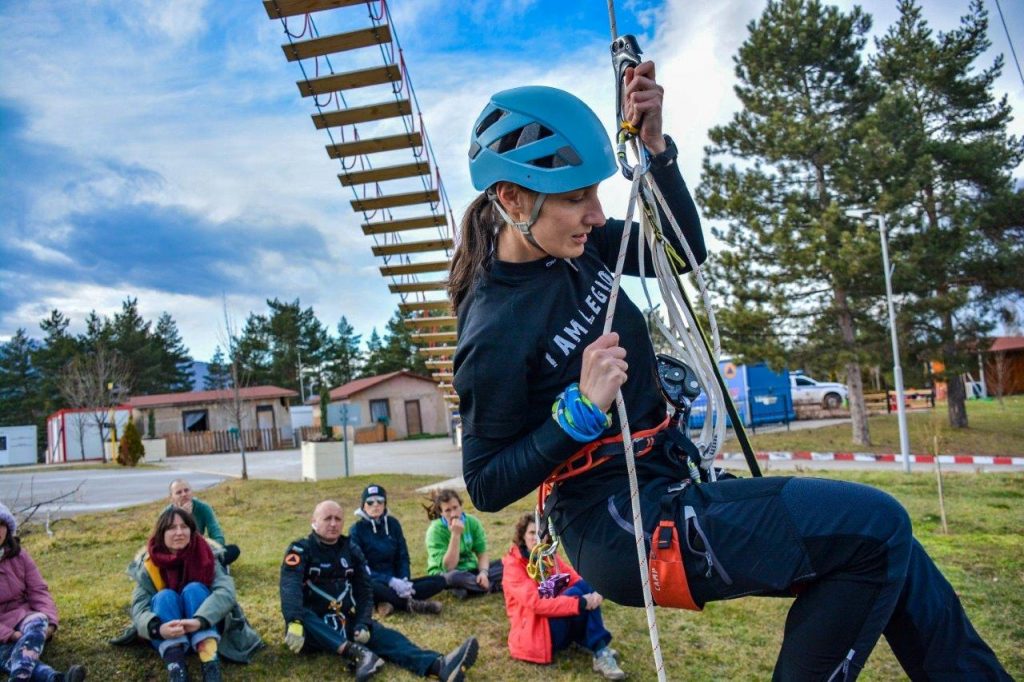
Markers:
point(326, 597)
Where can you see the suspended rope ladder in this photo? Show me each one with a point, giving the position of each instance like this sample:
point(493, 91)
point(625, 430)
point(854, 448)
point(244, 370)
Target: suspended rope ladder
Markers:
point(374, 122)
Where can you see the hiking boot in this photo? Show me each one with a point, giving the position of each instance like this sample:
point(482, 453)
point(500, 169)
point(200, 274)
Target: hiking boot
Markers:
point(424, 606)
point(384, 609)
point(455, 664)
point(75, 673)
point(363, 662)
point(211, 671)
point(605, 663)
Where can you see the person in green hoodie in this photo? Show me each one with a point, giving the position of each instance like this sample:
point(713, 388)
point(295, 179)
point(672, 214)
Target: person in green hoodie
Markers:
point(205, 518)
point(457, 547)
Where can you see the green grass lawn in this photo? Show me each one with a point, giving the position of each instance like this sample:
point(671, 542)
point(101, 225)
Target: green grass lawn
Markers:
point(994, 429)
point(983, 556)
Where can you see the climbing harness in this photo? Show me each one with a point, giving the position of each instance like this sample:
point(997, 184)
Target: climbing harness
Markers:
point(335, 616)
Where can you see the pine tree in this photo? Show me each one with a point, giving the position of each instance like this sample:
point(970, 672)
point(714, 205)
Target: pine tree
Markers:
point(345, 358)
point(374, 355)
point(130, 449)
point(941, 158)
point(19, 382)
point(53, 354)
point(218, 373)
point(795, 264)
point(175, 365)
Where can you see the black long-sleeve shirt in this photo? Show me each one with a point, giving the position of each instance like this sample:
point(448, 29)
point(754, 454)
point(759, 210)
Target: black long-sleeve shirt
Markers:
point(522, 332)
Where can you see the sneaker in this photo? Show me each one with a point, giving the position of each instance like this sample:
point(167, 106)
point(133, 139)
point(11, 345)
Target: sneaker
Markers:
point(455, 664)
point(364, 663)
point(424, 606)
point(211, 671)
point(75, 673)
point(177, 672)
point(605, 663)
point(384, 609)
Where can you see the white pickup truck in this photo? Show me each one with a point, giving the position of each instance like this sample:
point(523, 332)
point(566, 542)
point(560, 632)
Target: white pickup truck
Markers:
point(829, 395)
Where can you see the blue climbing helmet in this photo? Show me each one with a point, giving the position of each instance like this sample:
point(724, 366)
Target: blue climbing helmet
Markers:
point(541, 138)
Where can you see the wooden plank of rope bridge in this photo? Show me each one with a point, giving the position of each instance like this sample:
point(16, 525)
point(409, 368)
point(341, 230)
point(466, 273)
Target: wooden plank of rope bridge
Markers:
point(371, 112)
point(377, 75)
point(339, 42)
point(425, 306)
point(431, 362)
point(445, 351)
point(365, 177)
point(414, 268)
point(375, 144)
point(413, 247)
point(416, 223)
point(423, 196)
point(278, 9)
point(413, 287)
point(443, 376)
point(433, 337)
point(431, 322)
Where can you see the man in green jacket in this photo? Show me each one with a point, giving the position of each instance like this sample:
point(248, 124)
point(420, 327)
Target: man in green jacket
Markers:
point(206, 519)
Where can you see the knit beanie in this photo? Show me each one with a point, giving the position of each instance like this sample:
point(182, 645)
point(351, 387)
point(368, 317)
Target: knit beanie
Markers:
point(373, 490)
point(7, 518)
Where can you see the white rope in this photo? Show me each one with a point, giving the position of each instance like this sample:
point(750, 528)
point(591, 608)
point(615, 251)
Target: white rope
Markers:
point(627, 443)
point(682, 336)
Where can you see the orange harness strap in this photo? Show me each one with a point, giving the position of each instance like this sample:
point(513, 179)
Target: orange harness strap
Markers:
point(593, 455)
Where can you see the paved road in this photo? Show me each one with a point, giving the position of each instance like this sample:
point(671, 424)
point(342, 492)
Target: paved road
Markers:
point(432, 457)
point(112, 489)
point(98, 489)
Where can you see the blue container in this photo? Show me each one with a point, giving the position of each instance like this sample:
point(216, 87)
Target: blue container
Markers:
point(761, 395)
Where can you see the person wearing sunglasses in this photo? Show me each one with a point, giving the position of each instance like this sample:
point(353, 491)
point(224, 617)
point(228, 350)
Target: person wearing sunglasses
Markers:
point(379, 535)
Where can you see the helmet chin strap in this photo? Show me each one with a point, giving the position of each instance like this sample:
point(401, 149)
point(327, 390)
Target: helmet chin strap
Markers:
point(521, 225)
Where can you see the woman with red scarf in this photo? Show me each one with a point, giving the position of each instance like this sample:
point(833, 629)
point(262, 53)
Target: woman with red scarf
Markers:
point(181, 594)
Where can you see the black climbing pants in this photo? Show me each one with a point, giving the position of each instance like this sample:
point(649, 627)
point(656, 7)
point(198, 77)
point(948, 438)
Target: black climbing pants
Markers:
point(844, 550)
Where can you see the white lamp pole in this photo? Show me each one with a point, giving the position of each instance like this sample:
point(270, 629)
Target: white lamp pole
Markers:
point(897, 370)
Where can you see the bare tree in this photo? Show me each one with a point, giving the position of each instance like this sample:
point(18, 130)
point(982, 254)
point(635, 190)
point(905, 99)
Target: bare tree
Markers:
point(96, 381)
point(234, 407)
point(998, 374)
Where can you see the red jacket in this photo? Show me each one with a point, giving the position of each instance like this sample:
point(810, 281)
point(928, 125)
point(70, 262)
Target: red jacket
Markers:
point(22, 591)
point(529, 638)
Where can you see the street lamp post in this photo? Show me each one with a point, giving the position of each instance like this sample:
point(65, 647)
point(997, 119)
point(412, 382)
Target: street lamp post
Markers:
point(897, 369)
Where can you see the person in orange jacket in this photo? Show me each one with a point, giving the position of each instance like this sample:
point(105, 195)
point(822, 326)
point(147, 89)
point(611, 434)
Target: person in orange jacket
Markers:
point(539, 627)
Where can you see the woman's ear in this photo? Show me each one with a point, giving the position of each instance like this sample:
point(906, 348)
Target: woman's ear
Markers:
point(512, 198)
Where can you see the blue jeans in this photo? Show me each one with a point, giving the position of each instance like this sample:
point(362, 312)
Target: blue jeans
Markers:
point(586, 629)
point(170, 605)
point(390, 645)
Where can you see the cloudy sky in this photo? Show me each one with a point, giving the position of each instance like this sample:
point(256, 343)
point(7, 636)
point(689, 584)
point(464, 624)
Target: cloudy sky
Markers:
point(161, 150)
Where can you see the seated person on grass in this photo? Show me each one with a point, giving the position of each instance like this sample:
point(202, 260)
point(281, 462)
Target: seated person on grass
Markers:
point(205, 518)
point(28, 614)
point(185, 600)
point(457, 547)
point(380, 537)
point(327, 604)
point(540, 627)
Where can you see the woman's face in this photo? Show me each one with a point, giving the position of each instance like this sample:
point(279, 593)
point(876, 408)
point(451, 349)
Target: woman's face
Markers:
point(561, 229)
point(374, 506)
point(3, 533)
point(451, 510)
point(565, 222)
point(530, 537)
point(177, 537)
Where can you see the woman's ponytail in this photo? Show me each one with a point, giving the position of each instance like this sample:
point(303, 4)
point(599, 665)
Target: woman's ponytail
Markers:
point(478, 232)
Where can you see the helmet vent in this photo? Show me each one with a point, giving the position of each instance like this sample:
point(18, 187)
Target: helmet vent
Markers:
point(490, 120)
point(520, 138)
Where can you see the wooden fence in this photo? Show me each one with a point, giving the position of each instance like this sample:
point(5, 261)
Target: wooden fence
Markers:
point(210, 442)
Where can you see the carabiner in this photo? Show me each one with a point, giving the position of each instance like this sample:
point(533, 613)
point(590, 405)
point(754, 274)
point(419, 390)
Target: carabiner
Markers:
point(626, 53)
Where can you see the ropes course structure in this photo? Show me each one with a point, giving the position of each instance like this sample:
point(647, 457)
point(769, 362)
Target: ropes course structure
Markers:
point(375, 126)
